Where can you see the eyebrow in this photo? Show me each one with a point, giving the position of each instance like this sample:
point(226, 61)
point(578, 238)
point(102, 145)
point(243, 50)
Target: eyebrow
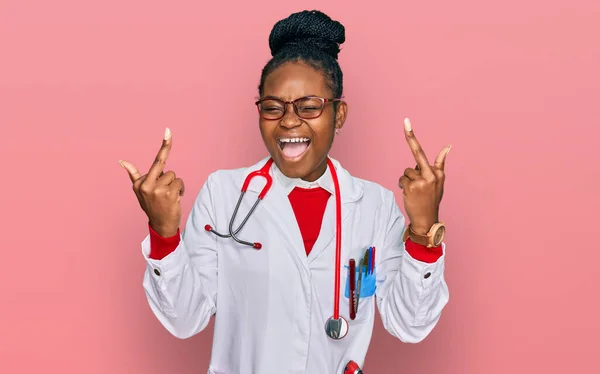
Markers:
point(279, 98)
point(272, 97)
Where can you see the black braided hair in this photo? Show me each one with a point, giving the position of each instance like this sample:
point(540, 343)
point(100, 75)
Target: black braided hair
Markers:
point(311, 37)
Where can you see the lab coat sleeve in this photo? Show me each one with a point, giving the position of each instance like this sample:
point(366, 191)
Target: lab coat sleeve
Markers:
point(410, 294)
point(181, 288)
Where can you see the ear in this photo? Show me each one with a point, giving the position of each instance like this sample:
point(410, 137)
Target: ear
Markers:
point(340, 114)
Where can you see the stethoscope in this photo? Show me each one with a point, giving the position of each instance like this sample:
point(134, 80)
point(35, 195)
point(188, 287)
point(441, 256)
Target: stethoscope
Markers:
point(336, 326)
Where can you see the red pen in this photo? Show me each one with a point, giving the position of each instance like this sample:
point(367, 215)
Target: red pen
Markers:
point(352, 282)
point(373, 262)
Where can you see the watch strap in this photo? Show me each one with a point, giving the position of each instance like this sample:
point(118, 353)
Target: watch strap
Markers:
point(424, 240)
point(414, 237)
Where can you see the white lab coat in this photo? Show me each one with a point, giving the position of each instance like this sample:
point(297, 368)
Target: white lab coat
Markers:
point(270, 305)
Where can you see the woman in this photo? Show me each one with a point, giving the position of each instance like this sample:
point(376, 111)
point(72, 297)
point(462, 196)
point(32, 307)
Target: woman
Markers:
point(280, 306)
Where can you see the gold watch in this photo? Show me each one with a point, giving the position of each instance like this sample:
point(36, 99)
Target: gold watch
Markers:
point(432, 239)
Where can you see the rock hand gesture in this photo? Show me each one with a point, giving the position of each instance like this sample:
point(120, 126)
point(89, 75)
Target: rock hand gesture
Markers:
point(159, 193)
point(422, 186)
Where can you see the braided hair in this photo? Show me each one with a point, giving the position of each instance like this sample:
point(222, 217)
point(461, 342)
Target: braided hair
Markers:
point(311, 37)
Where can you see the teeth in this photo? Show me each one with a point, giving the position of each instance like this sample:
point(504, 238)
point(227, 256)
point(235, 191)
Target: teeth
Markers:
point(293, 140)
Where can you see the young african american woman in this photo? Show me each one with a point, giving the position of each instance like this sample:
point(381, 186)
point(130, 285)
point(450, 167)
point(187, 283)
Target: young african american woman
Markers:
point(273, 306)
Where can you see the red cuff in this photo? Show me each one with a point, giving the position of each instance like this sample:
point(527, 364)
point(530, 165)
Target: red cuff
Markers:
point(421, 253)
point(160, 247)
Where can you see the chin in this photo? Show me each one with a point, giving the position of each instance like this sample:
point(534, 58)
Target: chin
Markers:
point(292, 171)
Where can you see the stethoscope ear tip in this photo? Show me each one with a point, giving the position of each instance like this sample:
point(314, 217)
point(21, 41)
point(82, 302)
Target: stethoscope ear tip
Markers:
point(257, 246)
point(207, 228)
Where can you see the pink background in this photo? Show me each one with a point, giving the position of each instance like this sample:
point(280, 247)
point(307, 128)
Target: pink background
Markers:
point(513, 85)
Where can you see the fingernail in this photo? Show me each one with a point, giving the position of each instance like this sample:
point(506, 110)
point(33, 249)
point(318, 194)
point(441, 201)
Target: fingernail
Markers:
point(167, 134)
point(121, 163)
point(448, 151)
point(407, 125)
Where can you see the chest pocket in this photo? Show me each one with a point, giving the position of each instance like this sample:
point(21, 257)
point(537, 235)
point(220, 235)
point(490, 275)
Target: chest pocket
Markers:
point(365, 294)
point(367, 283)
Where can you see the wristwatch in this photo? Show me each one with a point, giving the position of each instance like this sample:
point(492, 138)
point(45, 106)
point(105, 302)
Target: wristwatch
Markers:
point(432, 239)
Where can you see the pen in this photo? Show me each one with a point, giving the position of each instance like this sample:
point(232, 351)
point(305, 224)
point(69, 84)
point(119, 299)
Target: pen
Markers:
point(352, 281)
point(370, 259)
point(360, 267)
point(373, 262)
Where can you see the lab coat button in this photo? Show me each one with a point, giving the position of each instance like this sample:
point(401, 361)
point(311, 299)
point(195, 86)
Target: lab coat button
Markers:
point(157, 272)
point(427, 275)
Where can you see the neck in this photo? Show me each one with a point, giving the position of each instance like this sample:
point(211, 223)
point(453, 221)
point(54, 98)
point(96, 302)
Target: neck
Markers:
point(317, 173)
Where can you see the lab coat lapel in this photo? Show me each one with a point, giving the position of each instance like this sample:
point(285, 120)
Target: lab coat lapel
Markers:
point(350, 191)
point(282, 216)
point(327, 233)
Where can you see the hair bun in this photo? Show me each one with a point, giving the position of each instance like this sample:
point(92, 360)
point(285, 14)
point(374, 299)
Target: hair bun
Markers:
point(310, 29)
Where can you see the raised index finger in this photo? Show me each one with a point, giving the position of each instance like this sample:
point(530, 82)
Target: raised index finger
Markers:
point(161, 157)
point(416, 149)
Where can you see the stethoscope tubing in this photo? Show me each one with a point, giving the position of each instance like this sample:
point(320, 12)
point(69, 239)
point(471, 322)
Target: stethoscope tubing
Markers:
point(264, 172)
point(338, 240)
point(234, 214)
point(232, 233)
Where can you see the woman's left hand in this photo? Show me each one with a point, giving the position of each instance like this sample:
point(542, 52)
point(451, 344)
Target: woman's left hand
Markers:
point(423, 186)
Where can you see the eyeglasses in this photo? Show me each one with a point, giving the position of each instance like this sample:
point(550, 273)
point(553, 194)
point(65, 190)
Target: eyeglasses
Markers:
point(309, 107)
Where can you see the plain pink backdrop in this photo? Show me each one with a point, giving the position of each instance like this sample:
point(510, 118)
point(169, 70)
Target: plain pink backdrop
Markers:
point(513, 85)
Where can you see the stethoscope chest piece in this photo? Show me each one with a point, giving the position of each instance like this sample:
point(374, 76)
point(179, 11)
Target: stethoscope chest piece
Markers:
point(336, 328)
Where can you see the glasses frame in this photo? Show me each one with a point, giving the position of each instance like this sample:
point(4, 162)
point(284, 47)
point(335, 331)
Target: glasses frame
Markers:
point(293, 102)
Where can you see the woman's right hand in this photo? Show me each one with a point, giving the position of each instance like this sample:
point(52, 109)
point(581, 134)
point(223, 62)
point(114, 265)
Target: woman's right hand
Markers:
point(159, 193)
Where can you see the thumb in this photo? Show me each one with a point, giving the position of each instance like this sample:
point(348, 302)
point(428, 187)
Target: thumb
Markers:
point(133, 172)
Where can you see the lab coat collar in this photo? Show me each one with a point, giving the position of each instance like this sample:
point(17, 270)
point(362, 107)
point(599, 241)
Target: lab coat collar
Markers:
point(350, 190)
point(288, 184)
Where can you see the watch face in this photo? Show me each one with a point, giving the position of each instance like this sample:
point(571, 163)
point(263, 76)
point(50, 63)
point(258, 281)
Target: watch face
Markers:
point(439, 236)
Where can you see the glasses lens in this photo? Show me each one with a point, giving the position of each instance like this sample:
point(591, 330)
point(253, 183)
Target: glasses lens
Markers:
point(309, 107)
point(271, 109)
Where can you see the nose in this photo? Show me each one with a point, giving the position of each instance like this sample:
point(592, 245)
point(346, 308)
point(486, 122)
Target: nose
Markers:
point(290, 119)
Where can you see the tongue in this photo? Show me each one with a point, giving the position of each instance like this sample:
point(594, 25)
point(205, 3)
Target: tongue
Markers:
point(294, 149)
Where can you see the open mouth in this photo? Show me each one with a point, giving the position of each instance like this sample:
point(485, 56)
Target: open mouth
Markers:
point(293, 148)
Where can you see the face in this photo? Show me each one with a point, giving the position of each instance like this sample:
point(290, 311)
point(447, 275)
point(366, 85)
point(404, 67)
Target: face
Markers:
point(298, 146)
